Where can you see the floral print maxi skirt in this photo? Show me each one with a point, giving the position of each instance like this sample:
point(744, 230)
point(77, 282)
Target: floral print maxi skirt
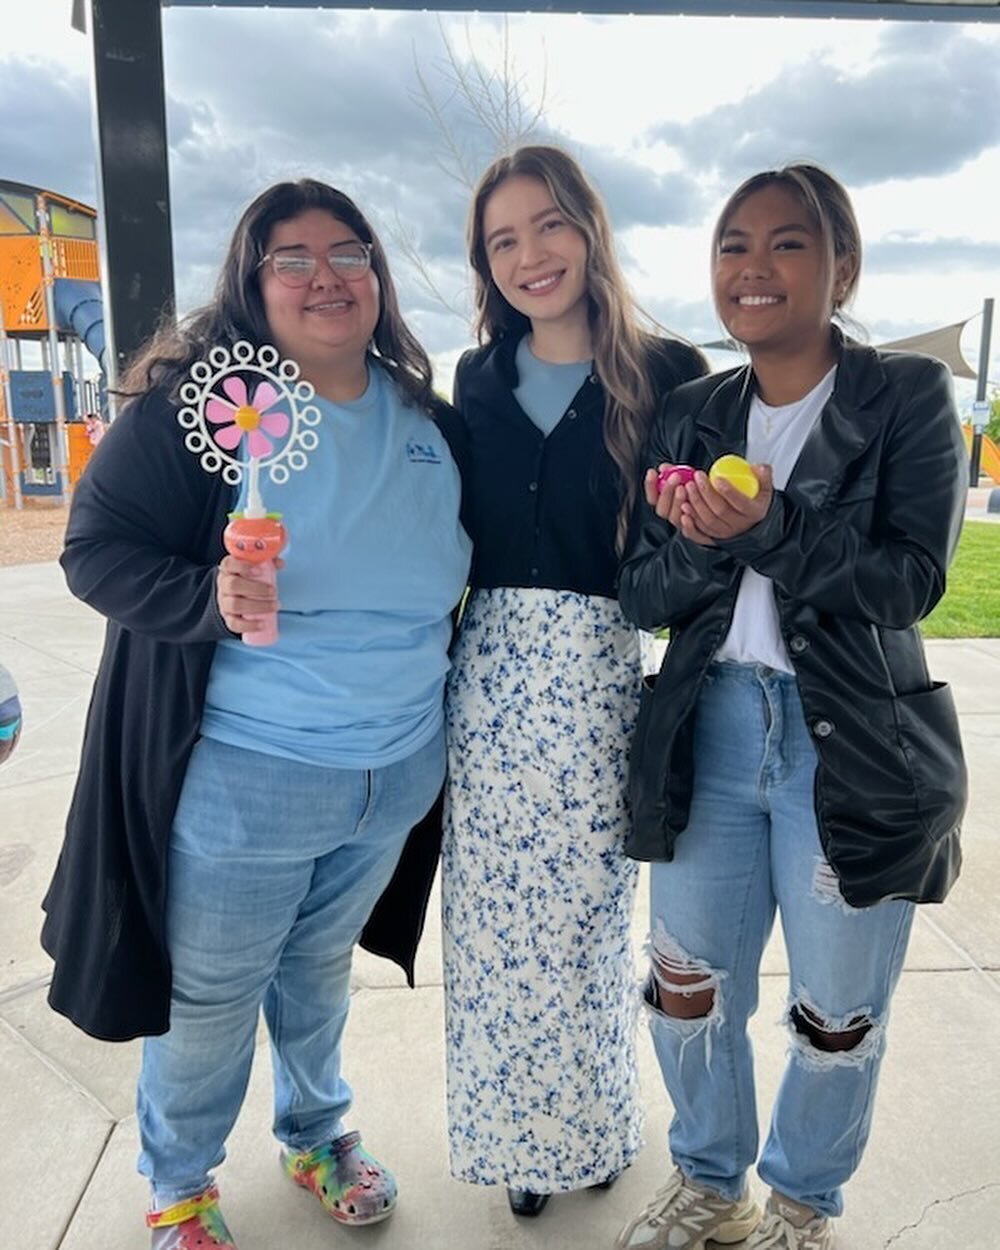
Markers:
point(540, 989)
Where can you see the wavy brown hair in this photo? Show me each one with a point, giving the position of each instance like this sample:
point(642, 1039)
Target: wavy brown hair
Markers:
point(237, 311)
point(621, 345)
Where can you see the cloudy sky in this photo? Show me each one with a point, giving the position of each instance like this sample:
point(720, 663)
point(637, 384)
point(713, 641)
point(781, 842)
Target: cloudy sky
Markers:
point(667, 114)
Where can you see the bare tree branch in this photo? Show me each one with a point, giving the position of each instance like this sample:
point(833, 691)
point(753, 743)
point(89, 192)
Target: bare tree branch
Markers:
point(402, 235)
point(475, 99)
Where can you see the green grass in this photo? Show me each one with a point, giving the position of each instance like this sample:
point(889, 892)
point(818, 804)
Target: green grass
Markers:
point(971, 605)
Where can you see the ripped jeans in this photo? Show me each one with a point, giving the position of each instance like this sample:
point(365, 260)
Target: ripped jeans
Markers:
point(752, 845)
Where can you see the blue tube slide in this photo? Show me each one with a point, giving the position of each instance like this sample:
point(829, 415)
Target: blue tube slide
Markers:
point(79, 311)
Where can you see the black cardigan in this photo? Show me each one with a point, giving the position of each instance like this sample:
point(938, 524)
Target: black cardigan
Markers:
point(542, 512)
point(142, 545)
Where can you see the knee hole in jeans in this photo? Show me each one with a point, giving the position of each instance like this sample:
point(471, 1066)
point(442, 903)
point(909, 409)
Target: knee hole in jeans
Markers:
point(685, 987)
point(683, 994)
point(826, 1039)
point(822, 1042)
point(680, 1002)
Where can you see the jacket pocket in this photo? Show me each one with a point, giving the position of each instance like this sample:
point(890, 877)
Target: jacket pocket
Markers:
point(932, 744)
point(646, 690)
point(639, 745)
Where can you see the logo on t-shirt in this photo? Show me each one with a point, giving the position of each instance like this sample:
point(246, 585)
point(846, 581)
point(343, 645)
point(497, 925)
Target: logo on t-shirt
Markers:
point(422, 453)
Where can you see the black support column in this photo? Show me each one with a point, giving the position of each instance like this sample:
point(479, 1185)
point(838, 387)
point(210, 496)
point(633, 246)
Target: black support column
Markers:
point(133, 184)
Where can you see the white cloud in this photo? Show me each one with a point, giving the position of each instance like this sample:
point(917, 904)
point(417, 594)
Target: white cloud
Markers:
point(666, 112)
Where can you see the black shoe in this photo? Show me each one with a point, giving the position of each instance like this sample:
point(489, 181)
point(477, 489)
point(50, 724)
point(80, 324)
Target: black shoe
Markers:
point(605, 1184)
point(524, 1202)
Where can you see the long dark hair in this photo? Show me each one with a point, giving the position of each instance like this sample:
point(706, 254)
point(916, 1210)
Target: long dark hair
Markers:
point(237, 311)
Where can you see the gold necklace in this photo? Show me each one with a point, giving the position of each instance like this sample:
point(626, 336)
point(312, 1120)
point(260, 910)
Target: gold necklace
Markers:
point(788, 413)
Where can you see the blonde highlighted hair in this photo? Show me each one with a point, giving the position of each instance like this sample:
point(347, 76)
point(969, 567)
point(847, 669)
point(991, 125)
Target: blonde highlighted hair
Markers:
point(621, 345)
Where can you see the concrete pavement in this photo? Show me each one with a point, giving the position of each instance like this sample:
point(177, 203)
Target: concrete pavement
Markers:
point(930, 1181)
point(983, 503)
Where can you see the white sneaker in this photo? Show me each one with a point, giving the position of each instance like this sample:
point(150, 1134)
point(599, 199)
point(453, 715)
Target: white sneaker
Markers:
point(684, 1216)
point(789, 1225)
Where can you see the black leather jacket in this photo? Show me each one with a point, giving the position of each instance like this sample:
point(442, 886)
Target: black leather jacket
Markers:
point(857, 546)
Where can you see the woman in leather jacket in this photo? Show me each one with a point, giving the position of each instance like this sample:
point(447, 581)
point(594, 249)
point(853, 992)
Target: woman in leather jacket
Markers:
point(793, 752)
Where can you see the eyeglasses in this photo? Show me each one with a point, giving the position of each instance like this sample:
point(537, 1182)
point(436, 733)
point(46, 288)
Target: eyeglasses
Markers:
point(350, 260)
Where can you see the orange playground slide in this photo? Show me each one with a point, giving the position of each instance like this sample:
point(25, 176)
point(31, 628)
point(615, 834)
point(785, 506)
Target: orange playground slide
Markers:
point(989, 460)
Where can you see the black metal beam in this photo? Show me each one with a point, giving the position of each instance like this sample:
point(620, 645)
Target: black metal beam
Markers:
point(133, 184)
point(876, 10)
point(982, 376)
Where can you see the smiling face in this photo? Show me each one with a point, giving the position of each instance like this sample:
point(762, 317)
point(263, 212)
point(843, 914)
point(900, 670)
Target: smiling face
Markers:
point(537, 257)
point(329, 320)
point(774, 283)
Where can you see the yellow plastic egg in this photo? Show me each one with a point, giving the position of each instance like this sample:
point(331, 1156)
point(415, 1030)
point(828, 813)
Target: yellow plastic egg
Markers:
point(735, 470)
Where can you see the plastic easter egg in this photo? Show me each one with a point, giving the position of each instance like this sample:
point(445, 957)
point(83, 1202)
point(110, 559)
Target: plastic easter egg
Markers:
point(736, 471)
point(682, 471)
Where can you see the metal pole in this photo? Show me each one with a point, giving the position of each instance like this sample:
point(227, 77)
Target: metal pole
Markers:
point(8, 407)
point(61, 460)
point(82, 406)
point(4, 409)
point(78, 373)
point(975, 456)
point(133, 186)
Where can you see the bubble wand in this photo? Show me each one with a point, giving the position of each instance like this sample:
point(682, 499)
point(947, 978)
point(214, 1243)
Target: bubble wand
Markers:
point(223, 417)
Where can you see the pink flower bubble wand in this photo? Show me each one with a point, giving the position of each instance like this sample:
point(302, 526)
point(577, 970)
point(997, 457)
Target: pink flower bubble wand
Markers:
point(271, 423)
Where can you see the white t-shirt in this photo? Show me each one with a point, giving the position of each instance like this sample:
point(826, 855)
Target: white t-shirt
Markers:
point(775, 436)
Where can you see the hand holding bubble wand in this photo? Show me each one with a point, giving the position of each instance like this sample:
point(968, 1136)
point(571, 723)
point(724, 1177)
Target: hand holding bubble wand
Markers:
point(238, 430)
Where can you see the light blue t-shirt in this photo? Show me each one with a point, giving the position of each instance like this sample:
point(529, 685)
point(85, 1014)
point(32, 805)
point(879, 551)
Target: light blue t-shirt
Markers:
point(544, 390)
point(375, 562)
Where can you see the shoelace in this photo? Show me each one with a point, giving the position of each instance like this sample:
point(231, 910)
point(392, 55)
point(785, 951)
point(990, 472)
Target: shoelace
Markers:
point(674, 1196)
point(776, 1233)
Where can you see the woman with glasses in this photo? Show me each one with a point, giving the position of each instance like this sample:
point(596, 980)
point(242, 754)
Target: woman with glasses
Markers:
point(240, 810)
point(540, 987)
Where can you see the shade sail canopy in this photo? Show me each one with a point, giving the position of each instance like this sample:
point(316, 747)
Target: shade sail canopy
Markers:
point(945, 344)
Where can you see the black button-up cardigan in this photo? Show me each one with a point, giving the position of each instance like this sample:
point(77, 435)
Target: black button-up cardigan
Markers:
point(542, 511)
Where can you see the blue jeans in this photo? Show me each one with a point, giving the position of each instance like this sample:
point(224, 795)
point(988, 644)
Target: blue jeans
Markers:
point(752, 845)
point(273, 869)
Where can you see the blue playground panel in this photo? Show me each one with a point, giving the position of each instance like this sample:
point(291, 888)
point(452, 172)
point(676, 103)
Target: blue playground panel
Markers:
point(33, 400)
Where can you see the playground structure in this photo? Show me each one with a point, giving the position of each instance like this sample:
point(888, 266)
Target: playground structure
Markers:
point(50, 296)
point(990, 454)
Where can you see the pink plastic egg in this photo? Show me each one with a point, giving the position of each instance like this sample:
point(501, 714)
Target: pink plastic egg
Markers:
point(682, 471)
